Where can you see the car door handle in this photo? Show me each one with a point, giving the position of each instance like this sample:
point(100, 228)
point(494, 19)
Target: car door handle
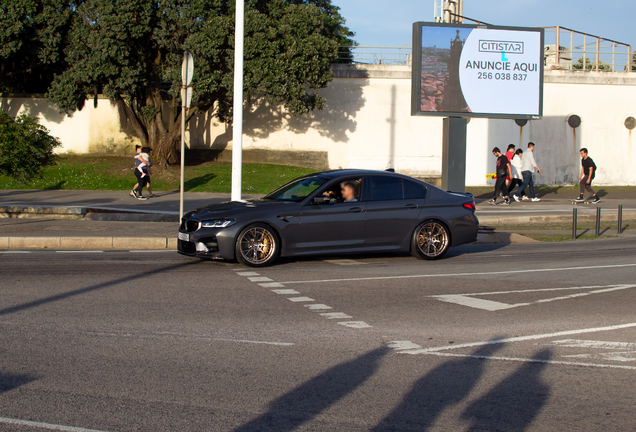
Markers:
point(355, 210)
point(411, 206)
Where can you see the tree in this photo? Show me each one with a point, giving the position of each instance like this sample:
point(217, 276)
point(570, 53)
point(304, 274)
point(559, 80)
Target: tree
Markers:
point(25, 147)
point(131, 51)
point(591, 65)
point(32, 41)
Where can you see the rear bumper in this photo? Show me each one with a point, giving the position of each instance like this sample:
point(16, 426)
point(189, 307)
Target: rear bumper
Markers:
point(465, 229)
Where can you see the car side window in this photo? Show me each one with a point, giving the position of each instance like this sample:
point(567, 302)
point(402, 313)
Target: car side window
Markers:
point(349, 190)
point(384, 188)
point(413, 190)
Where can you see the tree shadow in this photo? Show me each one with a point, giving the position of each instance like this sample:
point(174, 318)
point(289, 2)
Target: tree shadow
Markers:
point(33, 106)
point(198, 181)
point(302, 404)
point(10, 381)
point(515, 402)
point(57, 186)
point(446, 385)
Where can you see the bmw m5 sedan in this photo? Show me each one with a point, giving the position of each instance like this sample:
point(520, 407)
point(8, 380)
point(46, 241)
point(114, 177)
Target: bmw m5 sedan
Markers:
point(333, 212)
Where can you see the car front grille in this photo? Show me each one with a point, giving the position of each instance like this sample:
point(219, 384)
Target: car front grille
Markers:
point(191, 225)
point(187, 247)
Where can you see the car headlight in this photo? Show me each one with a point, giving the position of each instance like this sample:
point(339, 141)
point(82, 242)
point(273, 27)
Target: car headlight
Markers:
point(218, 223)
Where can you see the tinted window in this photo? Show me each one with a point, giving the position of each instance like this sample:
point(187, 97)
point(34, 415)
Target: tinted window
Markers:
point(414, 190)
point(298, 189)
point(385, 188)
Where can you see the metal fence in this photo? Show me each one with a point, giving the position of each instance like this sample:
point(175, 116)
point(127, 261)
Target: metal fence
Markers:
point(581, 51)
point(375, 55)
point(576, 51)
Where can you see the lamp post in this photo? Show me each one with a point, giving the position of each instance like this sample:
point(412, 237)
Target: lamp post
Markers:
point(237, 126)
point(187, 69)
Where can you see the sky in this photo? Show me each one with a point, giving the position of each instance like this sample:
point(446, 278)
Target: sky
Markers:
point(389, 23)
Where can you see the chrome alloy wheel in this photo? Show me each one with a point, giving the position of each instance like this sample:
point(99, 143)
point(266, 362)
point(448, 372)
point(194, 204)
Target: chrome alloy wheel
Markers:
point(257, 245)
point(432, 239)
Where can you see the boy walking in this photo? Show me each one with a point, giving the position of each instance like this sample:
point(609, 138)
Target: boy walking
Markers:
point(588, 172)
point(503, 168)
point(528, 165)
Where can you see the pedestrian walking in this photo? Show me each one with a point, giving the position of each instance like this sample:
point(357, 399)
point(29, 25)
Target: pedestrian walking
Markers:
point(517, 179)
point(588, 172)
point(528, 164)
point(143, 156)
point(141, 172)
point(510, 154)
point(503, 168)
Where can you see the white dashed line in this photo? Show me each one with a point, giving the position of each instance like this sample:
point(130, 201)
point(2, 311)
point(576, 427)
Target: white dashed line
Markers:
point(15, 252)
point(336, 315)
point(259, 279)
point(345, 262)
point(48, 426)
point(317, 307)
point(151, 250)
point(248, 274)
point(272, 285)
point(355, 324)
point(285, 291)
point(255, 342)
point(403, 345)
point(300, 299)
point(576, 343)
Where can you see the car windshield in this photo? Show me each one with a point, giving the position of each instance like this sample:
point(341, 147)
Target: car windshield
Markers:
point(298, 189)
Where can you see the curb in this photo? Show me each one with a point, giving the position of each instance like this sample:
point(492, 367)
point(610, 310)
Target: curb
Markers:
point(502, 220)
point(138, 243)
point(88, 213)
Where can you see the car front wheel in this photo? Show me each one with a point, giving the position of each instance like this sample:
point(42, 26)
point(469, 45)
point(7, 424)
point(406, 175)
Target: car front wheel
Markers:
point(431, 240)
point(257, 246)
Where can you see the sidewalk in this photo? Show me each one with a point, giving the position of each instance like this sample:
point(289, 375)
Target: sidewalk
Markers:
point(102, 219)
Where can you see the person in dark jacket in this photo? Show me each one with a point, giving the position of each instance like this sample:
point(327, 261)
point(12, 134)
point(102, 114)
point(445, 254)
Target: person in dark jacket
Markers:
point(503, 168)
point(588, 172)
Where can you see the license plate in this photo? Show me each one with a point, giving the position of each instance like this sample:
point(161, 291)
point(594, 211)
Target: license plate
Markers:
point(184, 236)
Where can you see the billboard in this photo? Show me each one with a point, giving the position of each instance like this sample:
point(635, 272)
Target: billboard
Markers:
point(477, 71)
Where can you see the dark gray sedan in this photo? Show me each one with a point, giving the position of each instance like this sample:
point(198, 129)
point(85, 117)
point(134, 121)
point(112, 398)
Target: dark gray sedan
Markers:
point(333, 212)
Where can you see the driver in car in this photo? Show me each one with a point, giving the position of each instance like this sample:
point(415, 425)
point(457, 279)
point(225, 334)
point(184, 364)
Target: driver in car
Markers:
point(349, 192)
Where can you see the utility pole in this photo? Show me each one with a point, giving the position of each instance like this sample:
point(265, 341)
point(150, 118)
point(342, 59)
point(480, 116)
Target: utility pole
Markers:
point(237, 126)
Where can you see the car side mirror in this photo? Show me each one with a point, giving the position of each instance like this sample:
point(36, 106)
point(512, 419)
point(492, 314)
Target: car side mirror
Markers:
point(321, 199)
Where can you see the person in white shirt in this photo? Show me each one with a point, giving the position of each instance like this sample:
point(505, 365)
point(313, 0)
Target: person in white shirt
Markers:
point(515, 165)
point(528, 165)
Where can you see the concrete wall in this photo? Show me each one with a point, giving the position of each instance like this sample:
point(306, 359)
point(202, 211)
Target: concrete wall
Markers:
point(367, 124)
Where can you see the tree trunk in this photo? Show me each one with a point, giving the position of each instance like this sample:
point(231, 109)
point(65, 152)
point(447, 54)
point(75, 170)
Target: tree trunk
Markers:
point(169, 144)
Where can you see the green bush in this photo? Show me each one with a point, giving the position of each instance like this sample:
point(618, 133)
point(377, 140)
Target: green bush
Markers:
point(26, 147)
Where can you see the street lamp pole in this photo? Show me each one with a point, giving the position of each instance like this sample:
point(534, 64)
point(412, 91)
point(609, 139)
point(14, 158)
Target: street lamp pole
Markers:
point(237, 126)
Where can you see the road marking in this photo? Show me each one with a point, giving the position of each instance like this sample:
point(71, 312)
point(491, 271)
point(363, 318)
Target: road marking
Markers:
point(507, 272)
point(285, 291)
point(335, 315)
point(48, 426)
point(403, 345)
point(255, 342)
point(79, 251)
point(272, 285)
point(470, 301)
point(355, 324)
point(531, 360)
point(318, 307)
point(247, 274)
point(345, 262)
point(15, 252)
point(520, 338)
point(476, 302)
point(300, 299)
point(576, 343)
point(259, 279)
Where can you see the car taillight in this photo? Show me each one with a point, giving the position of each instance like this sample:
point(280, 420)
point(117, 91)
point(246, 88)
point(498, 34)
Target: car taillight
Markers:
point(469, 206)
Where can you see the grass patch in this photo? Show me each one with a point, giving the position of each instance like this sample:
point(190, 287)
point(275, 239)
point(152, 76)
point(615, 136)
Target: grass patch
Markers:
point(74, 172)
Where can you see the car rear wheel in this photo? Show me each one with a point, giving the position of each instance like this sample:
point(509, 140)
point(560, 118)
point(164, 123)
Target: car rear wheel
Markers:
point(431, 240)
point(257, 246)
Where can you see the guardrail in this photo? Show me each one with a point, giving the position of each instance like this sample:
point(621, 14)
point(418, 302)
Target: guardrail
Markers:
point(375, 55)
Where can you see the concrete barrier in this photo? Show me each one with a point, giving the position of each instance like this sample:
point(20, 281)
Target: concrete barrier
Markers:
point(86, 242)
point(34, 242)
point(140, 242)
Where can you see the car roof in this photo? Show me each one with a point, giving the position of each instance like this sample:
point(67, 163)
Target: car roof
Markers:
point(357, 172)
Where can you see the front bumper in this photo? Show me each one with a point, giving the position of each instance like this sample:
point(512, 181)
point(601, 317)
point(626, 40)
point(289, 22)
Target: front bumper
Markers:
point(210, 243)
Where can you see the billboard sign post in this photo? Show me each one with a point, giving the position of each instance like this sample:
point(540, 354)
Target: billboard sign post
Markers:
point(461, 71)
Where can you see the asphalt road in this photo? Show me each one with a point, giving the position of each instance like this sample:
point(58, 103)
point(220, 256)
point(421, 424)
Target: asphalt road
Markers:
point(538, 337)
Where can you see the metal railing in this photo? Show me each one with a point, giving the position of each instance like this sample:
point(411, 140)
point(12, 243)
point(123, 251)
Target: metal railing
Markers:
point(375, 55)
point(582, 51)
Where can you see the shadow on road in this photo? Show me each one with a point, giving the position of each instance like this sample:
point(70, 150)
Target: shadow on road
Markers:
point(316, 395)
point(515, 402)
point(446, 385)
point(10, 381)
point(66, 295)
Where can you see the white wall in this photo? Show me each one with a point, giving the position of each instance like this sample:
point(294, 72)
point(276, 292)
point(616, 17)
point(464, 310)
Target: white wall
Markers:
point(367, 124)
